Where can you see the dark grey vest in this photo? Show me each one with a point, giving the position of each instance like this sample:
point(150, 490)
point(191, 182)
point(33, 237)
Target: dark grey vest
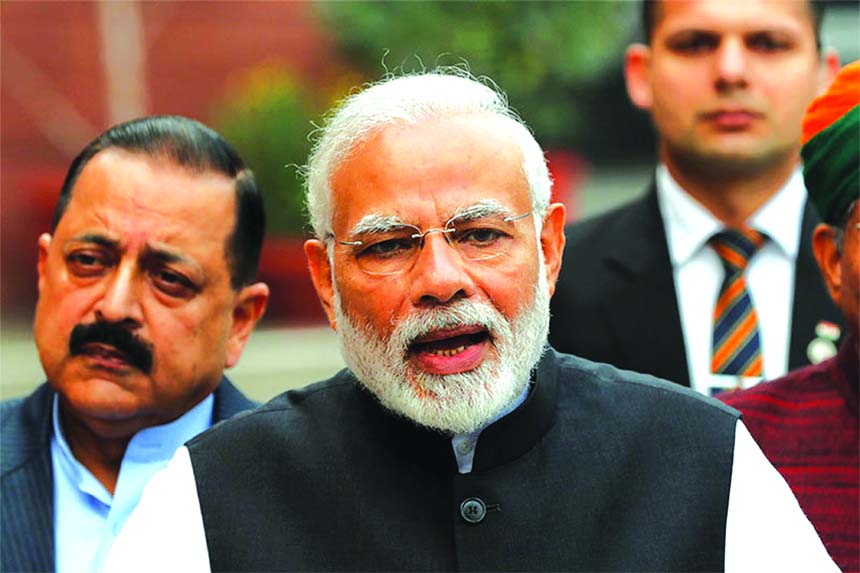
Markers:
point(599, 469)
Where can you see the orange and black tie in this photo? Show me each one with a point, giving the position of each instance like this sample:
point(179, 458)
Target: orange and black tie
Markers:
point(736, 343)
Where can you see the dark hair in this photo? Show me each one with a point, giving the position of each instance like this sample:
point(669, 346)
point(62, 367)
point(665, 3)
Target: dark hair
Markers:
point(650, 8)
point(187, 143)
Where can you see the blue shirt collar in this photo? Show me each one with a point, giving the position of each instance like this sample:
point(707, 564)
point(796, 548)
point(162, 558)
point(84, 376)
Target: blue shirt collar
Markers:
point(464, 444)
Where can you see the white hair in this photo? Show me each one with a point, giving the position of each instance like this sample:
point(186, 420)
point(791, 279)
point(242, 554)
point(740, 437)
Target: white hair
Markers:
point(411, 99)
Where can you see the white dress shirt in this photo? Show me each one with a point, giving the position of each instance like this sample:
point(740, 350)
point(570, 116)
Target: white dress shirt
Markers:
point(765, 528)
point(87, 518)
point(698, 273)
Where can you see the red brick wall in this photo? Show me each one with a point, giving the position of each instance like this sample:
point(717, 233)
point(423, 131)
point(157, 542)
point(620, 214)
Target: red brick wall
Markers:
point(53, 97)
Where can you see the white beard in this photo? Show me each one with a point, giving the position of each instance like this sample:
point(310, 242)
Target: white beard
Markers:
point(457, 403)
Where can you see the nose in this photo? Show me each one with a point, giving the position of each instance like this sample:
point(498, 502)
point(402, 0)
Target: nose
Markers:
point(120, 301)
point(440, 274)
point(731, 64)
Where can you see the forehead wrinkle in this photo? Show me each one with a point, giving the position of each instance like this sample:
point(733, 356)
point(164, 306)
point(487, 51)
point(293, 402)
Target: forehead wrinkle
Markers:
point(165, 254)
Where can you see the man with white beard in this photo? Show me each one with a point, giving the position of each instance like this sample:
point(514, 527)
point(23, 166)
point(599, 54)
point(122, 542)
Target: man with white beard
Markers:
point(456, 440)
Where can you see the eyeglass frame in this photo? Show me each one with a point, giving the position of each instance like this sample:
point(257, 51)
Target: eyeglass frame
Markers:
point(444, 231)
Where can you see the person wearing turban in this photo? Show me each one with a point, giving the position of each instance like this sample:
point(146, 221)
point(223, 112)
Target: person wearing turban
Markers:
point(807, 422)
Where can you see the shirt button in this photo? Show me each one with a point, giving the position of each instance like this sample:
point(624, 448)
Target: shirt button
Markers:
point(473, 510)
point(465, 447)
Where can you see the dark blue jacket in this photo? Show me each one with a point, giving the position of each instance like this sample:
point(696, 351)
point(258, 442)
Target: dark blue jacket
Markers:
point(27, 479)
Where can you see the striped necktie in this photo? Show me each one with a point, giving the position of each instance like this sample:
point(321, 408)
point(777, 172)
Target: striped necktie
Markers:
point(736, 345)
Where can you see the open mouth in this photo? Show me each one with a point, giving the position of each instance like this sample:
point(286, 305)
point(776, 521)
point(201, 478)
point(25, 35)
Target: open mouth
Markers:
point(451, 351)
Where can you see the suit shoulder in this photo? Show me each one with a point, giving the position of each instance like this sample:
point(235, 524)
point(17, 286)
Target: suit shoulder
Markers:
point(648, 395)
point(289, 408)
point(230, 401)
point(611, 224)
point(8, 409)
point(26, 410)
point(25, 427)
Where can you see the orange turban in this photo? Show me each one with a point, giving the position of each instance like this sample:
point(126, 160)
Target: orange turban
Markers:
point(831, 146)
point(826, 109)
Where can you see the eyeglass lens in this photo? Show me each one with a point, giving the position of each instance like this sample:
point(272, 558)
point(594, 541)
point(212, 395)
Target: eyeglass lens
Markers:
point(396, 250)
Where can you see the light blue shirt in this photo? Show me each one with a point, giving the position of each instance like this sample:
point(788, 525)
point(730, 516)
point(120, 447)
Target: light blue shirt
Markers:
point(87, 518)
point(464, 444)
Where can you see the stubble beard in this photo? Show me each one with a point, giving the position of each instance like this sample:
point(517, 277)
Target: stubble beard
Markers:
point(455, 403)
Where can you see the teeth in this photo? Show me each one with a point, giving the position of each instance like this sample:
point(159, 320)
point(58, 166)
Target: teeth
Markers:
point(449, 352)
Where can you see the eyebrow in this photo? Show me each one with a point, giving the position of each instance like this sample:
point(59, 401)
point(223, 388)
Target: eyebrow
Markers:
point(484, 208)
point(377, 223)
point(149, 251)
point(100, 240)
point(774, 28)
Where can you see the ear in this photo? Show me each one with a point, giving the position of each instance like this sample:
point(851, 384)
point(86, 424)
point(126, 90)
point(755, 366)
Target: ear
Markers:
point(248, 309)
point(320, 267)
point(829, 69)
point(829, 259)
point(552, 243)
point(44, 245)
point(637, 75)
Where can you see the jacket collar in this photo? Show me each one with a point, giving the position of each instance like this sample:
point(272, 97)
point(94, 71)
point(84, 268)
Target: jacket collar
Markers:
point(502, 441)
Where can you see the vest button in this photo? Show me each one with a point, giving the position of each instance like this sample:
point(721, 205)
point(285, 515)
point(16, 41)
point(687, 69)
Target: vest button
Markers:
point(473, 510)
point(465, 447)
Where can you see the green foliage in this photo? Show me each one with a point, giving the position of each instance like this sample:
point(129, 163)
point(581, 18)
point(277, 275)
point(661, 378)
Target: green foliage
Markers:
point(267, 119)
point(539, 52)
point(543, 54)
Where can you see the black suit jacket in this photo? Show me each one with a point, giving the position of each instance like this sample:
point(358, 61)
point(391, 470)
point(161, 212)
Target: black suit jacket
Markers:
point(27, 480)
point(615, 300)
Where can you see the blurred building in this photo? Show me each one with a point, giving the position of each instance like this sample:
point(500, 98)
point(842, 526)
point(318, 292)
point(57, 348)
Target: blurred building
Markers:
point(71, 69)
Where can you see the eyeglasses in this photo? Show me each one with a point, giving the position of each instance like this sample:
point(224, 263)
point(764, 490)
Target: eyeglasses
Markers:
point(395, 250)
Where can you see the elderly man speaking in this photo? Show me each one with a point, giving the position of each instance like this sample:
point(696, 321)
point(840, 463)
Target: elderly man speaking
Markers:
point(456, 440)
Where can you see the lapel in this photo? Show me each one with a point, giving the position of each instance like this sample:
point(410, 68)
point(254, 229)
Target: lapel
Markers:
point(27, 484)
point(27, 481)
point(229, 401)
point(644, 315)
point(811, 302)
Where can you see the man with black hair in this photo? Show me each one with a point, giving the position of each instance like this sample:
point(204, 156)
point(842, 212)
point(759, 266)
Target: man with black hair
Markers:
point(146, 294)
point(708, 280)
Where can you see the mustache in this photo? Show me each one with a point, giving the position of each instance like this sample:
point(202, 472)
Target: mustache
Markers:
point(136, 350)
point(458, 313)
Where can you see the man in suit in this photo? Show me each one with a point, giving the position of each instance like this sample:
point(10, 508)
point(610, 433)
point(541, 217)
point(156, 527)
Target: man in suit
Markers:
point(806, 422)
point(456, 440)
point(146, 293)
point(645, 287)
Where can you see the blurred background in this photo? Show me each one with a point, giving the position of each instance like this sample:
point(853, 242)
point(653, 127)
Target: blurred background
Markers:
point(262, 73)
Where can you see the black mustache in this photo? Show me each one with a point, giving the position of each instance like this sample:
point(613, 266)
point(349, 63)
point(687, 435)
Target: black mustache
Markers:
point(138, 351)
